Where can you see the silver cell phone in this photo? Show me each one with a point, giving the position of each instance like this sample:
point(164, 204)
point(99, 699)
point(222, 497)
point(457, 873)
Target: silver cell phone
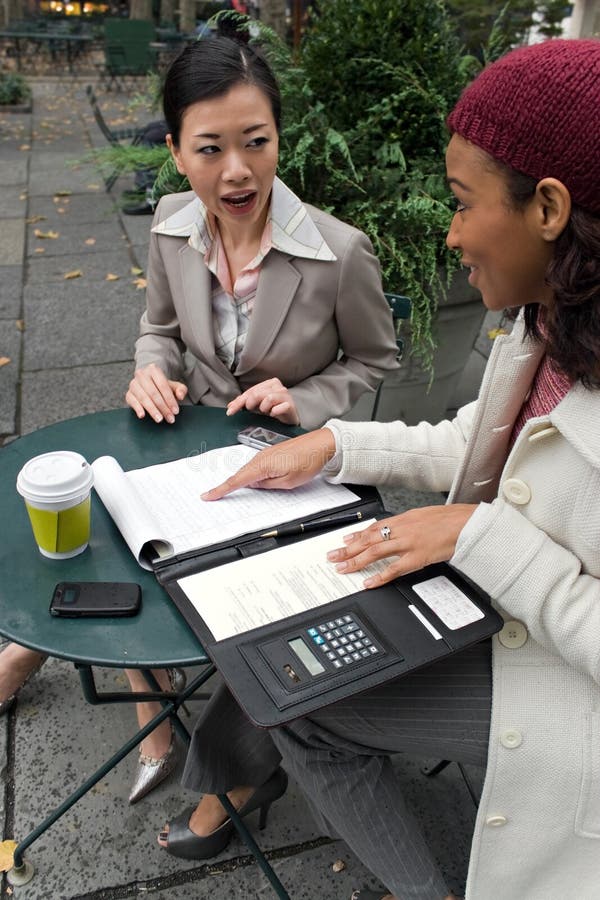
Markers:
point(260, 438)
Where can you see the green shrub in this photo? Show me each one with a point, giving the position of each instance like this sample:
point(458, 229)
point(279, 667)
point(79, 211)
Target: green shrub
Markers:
point(14, 90)
point(364, 135)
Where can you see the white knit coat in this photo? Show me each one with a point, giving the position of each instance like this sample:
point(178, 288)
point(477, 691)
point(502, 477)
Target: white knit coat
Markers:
point(534, 545)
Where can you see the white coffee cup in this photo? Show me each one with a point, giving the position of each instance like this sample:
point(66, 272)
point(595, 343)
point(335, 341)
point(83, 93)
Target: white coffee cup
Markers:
point(56, 488)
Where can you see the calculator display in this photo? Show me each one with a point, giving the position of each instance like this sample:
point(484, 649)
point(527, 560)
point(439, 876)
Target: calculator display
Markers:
point(313, 653)
point(306, 656)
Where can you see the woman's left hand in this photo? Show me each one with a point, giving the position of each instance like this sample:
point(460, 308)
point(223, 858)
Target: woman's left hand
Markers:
point(271, 398)
point(416, 539)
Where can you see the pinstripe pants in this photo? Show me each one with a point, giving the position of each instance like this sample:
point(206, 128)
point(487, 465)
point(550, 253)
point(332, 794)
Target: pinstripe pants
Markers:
point(339, 756)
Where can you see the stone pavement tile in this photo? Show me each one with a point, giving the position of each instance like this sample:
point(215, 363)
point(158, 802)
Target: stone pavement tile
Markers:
point(46, 138)
point(12, 241)
point(10, 346)
point(96, 207)
point(51, 396)
point(11, 278)
point(47, 269)
point(103, 324)
point(84, 238)
point(13, 202)
point(13, 172)
point(54, 172)
point(13, 126)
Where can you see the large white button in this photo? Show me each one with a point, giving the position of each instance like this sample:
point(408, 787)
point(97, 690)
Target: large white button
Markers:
point(511, 738)
point(513, 635)
point(516, 491)
point(495, 821)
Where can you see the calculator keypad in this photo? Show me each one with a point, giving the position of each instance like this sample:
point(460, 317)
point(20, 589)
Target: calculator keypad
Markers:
point(343, 642)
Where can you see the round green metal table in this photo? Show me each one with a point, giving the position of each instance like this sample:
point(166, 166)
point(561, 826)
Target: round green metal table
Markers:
point(157, 637)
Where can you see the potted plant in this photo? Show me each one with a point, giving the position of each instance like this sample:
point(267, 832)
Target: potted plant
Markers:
point(15, 93)
point(380, 78)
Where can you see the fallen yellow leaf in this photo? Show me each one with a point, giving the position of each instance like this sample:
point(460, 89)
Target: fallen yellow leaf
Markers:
point(494, 332)
point(136, 271)
point(32, 219)
point(20, 323)
point(111, 277)
point(4, 360)
point(25, 147)
point(62, 193)
point(60, 209)
point(140, 283)
point(7, 852)
point(46, 234)
point(40, 250)
point(90, 242)
point(76, 273)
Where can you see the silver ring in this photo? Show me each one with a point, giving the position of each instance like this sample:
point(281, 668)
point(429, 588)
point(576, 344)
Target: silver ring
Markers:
point(386, 533)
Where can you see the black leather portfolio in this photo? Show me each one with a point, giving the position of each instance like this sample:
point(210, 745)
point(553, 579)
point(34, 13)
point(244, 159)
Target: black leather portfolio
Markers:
point(291, 667)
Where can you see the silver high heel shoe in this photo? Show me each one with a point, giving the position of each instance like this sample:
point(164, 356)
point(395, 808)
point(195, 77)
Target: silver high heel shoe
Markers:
point(150, 770)
point(177, 679)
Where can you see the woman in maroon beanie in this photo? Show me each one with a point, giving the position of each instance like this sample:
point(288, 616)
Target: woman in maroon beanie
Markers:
point(522, 468)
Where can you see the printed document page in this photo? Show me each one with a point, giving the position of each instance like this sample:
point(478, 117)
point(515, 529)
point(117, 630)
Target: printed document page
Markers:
point(161, 504)
point(238, 596)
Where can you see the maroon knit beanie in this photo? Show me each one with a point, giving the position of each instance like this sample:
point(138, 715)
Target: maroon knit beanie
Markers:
point(537, 109)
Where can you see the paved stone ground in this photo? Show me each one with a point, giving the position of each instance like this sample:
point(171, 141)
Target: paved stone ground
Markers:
point(66, 349)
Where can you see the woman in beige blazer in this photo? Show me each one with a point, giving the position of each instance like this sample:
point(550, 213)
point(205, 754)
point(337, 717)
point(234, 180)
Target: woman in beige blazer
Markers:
point(253, 300)
point(316, 331)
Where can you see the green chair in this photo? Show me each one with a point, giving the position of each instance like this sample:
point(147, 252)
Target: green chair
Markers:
point(127, 51)
point(114, 136)
point(400, 307)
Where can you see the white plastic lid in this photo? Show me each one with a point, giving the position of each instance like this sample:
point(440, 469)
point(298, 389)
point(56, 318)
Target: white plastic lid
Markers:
point(54, 477)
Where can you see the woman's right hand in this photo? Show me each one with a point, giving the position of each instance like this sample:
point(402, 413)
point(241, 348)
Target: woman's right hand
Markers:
point(150, 391)
point(284, 466)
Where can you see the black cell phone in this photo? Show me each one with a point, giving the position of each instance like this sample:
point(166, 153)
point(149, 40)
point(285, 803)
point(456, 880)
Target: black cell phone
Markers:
point(260, 437)
point(75, 599)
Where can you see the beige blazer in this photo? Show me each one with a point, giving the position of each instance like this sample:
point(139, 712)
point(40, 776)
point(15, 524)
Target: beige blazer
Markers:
point(322, 327)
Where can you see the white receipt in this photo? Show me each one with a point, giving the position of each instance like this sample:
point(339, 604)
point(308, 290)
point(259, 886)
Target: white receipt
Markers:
point(448, 602)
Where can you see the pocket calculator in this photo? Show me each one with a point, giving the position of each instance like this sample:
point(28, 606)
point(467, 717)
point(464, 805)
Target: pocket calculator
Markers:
point(318, 651)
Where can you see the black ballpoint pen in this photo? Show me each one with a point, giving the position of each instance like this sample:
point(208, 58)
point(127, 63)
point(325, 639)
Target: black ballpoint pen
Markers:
point(316, 525)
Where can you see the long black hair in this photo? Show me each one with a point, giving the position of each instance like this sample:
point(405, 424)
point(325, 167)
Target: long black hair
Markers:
point(571, 326)
point(211, 67)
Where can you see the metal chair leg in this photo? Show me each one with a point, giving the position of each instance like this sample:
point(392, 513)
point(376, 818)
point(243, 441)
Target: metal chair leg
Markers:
point(432, 771)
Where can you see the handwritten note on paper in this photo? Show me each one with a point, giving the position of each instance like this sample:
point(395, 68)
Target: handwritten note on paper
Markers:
point(245, 594)
point(161, 504)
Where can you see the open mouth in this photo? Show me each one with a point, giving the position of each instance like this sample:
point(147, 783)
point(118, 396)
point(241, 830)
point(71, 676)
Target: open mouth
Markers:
point(240, 202)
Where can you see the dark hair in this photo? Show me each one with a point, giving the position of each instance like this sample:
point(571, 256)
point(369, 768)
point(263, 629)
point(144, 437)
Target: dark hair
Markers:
point(211, 67)
point(571, 327)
